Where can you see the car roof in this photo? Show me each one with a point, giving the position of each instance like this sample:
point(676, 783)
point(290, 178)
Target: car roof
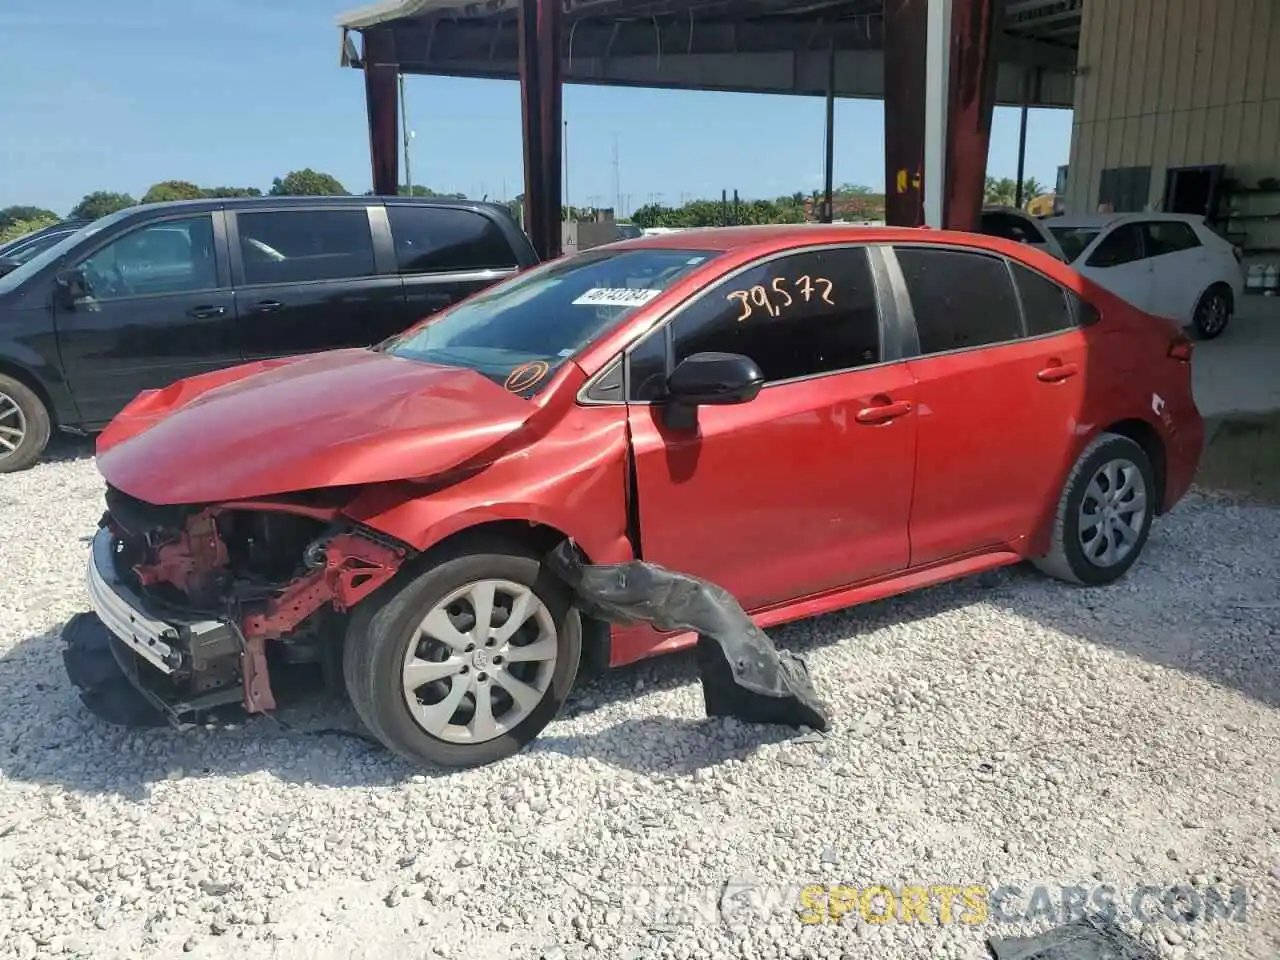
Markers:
point(1096, 221)
point(784, 235)
point(231, 203)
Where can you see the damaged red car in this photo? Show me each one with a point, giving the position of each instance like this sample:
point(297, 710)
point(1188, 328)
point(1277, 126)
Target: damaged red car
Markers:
point(809, 417)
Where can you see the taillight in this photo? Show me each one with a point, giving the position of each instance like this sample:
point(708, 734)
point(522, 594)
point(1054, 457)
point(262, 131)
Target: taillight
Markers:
point(1181, 349)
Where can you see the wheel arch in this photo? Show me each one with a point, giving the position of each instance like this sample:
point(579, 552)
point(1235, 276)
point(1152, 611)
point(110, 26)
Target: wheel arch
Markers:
point(28, 379)
point(1148, 438)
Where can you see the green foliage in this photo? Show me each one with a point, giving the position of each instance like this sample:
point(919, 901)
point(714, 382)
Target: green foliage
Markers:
point(1004, 192)
point(20, 213)
point(307, 183)
point(100, 203)
point(851, 202)
point(167, 190)
point(219, 192)
point(20, 228)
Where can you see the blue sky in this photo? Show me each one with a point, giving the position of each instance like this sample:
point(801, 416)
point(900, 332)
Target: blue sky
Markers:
point(117, 95)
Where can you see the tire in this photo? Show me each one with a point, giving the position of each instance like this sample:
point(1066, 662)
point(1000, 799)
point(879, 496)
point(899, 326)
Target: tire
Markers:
point(1213, 313)
point(376, 657)
point(23, 418)
point(1080, 560)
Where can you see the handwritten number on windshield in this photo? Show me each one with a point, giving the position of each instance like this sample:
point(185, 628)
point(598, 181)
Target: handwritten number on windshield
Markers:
point(805, 288)
point(526, 375)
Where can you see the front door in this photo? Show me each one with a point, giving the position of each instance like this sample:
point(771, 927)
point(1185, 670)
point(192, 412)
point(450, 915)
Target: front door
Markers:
point(159, 308)
point(307, 280)
point(999, 399)
point(808, 486)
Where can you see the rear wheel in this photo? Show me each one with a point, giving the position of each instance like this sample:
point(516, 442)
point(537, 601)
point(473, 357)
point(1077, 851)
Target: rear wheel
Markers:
point(1104, 514)
point(1213, 313)
point(24, 425)
point(467, 662)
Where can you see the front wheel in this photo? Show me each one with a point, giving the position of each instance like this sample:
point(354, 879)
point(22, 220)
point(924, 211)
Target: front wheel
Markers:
point(1104, 513)
point(467, 662)
point(1213, 313)
point(24, 425)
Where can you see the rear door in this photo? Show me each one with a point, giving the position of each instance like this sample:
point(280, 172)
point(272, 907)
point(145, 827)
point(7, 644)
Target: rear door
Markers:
point(1118, 261)
point(310, 278)
point(1180, 265)
point(160, 308)
point(999, 398)
point(445, 254)
point(808, 486)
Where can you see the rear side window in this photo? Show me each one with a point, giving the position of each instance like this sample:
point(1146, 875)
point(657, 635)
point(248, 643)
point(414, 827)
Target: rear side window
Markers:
point(294, 246)
point(799, 315)
point(960, 299)
point(1044, 304)
point(440, 239)
point(1122, 245)
point(1170, 236)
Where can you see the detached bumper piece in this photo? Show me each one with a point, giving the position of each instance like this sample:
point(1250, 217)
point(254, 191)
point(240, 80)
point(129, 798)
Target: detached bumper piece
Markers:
point(1090, 938)
point(743, 674)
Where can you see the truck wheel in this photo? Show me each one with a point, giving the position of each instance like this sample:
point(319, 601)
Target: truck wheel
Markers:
point(1104, 514)
point(24, 425)
point(468, 661)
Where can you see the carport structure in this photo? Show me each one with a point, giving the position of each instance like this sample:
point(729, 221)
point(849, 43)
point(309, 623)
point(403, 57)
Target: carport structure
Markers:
point(939, 65)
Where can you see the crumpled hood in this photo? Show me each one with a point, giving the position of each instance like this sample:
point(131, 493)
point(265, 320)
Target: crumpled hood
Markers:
point(321, 420)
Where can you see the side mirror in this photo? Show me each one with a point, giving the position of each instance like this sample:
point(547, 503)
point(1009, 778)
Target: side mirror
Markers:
point(710, 379)
point(73, 286)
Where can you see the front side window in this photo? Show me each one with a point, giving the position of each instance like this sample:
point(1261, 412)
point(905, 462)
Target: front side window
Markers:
point(1011, 227)
point(294, 246)
point(1169, 236)
point(439, 239)
point(960, 299)
point(799, 315)
point(1122, 245)
point(172, 256)
point(519, 332)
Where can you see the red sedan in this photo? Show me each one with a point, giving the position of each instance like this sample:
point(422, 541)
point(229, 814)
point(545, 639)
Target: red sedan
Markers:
point(810, 417)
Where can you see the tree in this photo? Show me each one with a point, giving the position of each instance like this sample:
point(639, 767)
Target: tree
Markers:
point(307, 183)
point(167, 190)
point(1004, 192)
point(232, 192)
point(20, 228)
point(19, 212)
point(100, 203)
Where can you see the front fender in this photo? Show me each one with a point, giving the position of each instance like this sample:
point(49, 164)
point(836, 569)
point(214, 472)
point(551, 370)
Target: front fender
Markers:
point(572, 480)
point(20, 359)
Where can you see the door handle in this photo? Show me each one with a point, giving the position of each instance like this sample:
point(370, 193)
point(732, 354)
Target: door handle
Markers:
point(883, 411)
point(267, 306)
point(1057, 372)
point(204, 313)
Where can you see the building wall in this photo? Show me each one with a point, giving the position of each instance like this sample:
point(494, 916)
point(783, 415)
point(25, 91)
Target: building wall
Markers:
point(1168, 83)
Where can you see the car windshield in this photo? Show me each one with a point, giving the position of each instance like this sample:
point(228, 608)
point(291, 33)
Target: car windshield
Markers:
point(11, 281)
point(519, 332)
point(1073, 240)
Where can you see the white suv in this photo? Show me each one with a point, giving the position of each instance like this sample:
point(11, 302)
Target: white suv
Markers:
point(1169, 264)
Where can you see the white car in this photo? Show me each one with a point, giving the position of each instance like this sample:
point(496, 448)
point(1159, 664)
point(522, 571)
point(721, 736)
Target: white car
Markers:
point(1168, 264)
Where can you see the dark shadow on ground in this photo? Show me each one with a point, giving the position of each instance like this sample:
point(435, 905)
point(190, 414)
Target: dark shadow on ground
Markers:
point(1243, 456)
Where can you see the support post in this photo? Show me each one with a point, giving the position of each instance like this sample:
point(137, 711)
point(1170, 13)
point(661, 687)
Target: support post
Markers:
point(936, 102)
point(380, 96)
point(1022, 142)
point(905, 22)
point(541, 119)
point(828, 213)
point(972, 69)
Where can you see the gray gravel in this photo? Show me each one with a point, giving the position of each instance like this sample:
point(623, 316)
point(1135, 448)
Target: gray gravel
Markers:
point(1005, 729)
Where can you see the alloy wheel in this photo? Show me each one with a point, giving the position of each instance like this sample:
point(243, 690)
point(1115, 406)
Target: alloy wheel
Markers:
point(13, 425)
point(1213, 315)
point(1113, 513)
point(480, 661)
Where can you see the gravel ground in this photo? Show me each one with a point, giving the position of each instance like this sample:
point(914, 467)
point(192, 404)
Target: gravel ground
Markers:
point(1001, 730)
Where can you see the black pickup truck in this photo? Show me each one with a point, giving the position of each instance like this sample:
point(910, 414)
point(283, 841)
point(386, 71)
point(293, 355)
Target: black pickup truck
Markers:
point(147, 296)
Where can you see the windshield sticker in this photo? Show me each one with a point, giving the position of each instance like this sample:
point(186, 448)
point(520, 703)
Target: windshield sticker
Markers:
point(616, 297)
point(694, 261)
point(566, 352)
point(776, 299)
point(526, 375)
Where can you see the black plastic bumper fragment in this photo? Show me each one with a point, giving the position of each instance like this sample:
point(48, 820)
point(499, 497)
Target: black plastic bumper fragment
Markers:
point(104, 687)
point(1089, 938)
point(743, 674)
